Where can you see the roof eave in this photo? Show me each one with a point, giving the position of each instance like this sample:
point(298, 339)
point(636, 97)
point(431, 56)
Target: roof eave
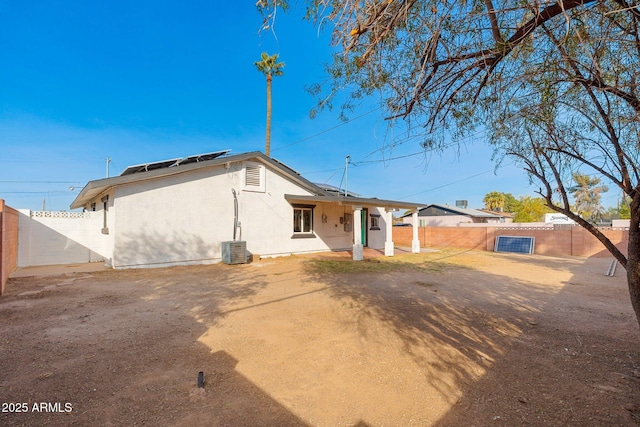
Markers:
point(102, 185)
point(354, 201)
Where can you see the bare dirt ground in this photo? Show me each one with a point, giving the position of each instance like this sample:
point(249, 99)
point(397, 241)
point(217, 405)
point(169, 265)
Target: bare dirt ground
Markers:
point(442, 339)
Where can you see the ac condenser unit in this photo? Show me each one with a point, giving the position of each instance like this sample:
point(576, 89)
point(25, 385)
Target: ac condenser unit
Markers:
point(234, 252)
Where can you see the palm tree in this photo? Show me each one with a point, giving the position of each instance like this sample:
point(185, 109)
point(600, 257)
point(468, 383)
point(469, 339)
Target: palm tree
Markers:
point(269, 66)
point(494, 201)
point(587, 194)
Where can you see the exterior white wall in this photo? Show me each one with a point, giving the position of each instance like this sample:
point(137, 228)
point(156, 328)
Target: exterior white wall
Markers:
point(46, 238)
point(267, 221)
point(174, 220)
point(377, 237)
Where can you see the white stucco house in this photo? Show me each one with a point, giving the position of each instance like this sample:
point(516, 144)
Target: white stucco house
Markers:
point(181, 211)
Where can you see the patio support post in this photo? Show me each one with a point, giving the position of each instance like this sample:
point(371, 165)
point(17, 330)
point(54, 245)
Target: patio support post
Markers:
point(388, 243)
point(415, 243)
point(358, 250)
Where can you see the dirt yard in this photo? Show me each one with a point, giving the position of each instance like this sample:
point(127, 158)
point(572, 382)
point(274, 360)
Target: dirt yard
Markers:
point(441, 339)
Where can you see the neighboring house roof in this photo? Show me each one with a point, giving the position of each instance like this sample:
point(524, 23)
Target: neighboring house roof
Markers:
point(173, 167)
point(451, 210)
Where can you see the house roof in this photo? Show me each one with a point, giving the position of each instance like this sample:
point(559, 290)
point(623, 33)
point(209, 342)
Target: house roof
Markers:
point(95, 188)
point(335, 190)
point(146, 167)
point(461, 211)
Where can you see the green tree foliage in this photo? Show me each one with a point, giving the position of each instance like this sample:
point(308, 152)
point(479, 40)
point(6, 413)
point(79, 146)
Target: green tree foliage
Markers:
point(524, 208)
point(511, 204)
point(494, 201)
point(621, 211)
point(554, 84)
point(269, 66)
point(531, 209)
point(587, 193)
point(625, 208)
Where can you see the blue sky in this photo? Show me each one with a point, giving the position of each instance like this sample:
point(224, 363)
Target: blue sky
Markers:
point(145, 81)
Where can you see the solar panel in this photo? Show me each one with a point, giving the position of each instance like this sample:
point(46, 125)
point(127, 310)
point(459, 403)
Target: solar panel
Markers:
point(515, 244)
point(202, 157)
point(148, 166)
point(172, 162)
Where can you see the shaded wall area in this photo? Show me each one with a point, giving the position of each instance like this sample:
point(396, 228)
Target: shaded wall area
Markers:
point(8, 242)
point(49, 237)
point(565, 241)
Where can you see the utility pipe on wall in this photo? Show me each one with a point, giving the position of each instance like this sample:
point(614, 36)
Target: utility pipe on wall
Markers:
point(235, 212)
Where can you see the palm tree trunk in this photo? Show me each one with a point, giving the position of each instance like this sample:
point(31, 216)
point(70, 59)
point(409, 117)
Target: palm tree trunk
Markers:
point(268, 141)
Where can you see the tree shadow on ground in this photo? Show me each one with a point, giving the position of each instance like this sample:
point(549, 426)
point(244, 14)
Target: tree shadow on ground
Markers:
point(447, 335)
point(465, 330)
point(122, 348)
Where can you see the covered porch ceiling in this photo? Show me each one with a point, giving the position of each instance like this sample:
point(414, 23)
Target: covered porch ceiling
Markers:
point(354, 201)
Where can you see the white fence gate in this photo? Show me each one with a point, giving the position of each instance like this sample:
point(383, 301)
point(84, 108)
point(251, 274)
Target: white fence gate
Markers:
point(47, 237)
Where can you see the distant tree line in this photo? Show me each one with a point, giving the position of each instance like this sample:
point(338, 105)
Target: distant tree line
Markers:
point(524, 208)
point(586, 192)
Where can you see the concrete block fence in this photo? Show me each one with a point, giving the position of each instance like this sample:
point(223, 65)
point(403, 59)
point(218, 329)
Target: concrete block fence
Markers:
point(561, 241)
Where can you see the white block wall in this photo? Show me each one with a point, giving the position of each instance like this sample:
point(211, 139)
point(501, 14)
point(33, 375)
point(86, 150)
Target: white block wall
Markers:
point(47, 238)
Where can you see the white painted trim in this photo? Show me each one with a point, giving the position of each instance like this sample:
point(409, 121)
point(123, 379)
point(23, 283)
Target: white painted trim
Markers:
point(388, 243)
point(415, 243)
point(249, 178)
point(358, 249)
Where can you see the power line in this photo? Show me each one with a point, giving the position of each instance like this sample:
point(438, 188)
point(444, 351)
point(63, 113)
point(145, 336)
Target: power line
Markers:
point(24, 192)
point(48, 160)
point(326, 130)
point(41, 182)
point(371, 162)
point(448, 184)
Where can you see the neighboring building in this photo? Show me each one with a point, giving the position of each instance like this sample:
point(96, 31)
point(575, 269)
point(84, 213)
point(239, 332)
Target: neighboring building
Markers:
point(558, 218)
point(505, 217)
point(447, 216)
point(621, 223)
point(181, 211)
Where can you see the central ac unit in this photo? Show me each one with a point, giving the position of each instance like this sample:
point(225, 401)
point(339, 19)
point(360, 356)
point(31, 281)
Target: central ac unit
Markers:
point(234, 252)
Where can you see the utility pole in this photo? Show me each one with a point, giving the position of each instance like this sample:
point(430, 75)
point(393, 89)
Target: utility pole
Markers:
point(108, 161)
point(346, 174)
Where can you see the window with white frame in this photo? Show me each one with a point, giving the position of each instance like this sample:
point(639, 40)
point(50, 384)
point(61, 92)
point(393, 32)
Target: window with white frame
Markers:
point(303, 220)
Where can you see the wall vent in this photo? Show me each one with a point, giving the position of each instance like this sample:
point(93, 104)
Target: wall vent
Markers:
point(254, 177)
point(234, 252)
